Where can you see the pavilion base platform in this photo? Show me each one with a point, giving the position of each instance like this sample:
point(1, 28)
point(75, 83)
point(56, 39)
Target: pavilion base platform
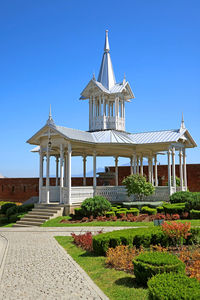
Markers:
point(72, 198)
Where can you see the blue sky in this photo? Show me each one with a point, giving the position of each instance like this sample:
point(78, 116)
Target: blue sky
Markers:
point(49, 50)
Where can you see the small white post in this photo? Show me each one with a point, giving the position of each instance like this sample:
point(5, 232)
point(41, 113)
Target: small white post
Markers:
point(181, 168)
point(169, 170)
point(156, 170)
point(47, 175)
point(141, 165)
point(185, 168)
point(116, 171)
point(57, 163)
point(173, 168)
point(41, 175)
point(84, 170)
point(69, 175)
point(61, 173)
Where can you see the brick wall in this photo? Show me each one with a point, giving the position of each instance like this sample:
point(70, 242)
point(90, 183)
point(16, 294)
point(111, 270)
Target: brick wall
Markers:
point(21, 189)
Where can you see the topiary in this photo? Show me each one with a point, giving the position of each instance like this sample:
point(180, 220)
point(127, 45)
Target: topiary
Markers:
point(6, 206)
point(25, 208)
point(138, 185)
point(96, 206)
point(14, 218)
point(180, 197)
point(148, 210)
point(194, 202)
point(172, 286)
point(11, 211)
point(194, 214)
point(148, 264)
point(3, 220)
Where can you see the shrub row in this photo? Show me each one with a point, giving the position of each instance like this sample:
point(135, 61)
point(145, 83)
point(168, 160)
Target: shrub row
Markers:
point(148, 210)
point(149, 264)
point(137, 237)
point(173, 286)
point(176, 208)
point(195, 214)
point(191, 200)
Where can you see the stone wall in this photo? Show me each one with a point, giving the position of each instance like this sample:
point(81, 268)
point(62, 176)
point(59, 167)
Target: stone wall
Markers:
point(21, 189)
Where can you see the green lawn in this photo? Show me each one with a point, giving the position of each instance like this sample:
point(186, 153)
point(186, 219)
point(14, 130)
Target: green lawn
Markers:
point(117, 285)
point(56, 223)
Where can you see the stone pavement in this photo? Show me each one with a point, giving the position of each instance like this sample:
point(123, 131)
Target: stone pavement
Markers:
point(34, 266)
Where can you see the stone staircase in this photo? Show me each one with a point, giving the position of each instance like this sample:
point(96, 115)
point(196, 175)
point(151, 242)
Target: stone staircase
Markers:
point(40, 214)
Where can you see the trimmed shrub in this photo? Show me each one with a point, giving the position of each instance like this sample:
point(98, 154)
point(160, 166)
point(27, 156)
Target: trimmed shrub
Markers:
point(177, 208)
point(181, 197)
point(78, 212)
point(110, 213)
point(3, 220)
point(194, 202)
point(148, 210)
point(195, 214)
point(121, 212)
point(160, 209)
point(14, 218)
point(25, 208)
point(6, 206)
point(133, 211)
point(114, 208)
point(96, 206)
point(172, 286)
point(149, 264)
point(11, 211)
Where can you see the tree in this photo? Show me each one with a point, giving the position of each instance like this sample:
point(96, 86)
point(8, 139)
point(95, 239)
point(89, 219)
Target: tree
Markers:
point(138, 185)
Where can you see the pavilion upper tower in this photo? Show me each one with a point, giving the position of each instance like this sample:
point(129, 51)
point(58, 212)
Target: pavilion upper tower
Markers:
point(106, 97)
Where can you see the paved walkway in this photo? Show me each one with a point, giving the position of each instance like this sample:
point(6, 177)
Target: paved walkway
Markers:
point(34, 266)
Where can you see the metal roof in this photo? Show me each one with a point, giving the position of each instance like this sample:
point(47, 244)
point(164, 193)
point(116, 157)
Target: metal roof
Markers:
point(162, 136)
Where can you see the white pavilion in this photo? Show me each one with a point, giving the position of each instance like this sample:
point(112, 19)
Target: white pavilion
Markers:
point(107, 137)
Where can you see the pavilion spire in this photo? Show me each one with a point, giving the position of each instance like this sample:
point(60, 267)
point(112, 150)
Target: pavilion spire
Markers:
point(182, 123)
point(50, 120)
point(106, 74)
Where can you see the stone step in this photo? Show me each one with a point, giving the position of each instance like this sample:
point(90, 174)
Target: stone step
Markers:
point(38, 216)
point(21, 225)
point(40, 220)
point(58, 207)
point(41, 213)
point(47, 210)
point(30, 223)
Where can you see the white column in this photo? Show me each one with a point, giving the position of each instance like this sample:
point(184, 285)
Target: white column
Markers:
point(61, 173)
point(65, 170)
point(84, 170)
point(94, 172)
point(152, 177)
point(116, 171)
point(185, 168)
point(173, 168)
point(169, 169)
point(69, 175)
point(181, 168)
point(47, 175)
point(41, 176)
point(134, 162)
point(156, 170)
point(100, 112)
point(131, 163)
point(141, 165)
point(149, 168)
point(57, 162)
point(137, 164)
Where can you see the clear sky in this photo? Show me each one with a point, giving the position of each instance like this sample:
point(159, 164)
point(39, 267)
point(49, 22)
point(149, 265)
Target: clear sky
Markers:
point(49, 50)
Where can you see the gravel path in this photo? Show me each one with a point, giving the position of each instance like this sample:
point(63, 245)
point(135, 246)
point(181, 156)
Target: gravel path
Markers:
point(37, 267)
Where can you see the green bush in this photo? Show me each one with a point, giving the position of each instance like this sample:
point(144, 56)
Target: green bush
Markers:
point(194, 214)
point(11, 211)
point(110, 213)
point(138, 185)
point(6, 206)
point(78, 212)
point(96, 206)
point(173, 286)
point(120, 211)
point(148, 210)
point(149, 264)
point(14, 218)
point(114, 208)
point(133, 237)
point(176, 208)
point(3, 220)
point(160, 209)
point(133, 211)
point(194, 202)
point(25, 208)
point(180, 197)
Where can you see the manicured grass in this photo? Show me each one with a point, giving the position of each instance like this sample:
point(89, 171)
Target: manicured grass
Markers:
point(56, 223)
point(117, 285)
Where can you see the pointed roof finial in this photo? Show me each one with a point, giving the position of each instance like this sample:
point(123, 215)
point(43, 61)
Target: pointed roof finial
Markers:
point(182, 123)
point(50, 120)
point(124, 80)
point(106, 47)
point(93, 76)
